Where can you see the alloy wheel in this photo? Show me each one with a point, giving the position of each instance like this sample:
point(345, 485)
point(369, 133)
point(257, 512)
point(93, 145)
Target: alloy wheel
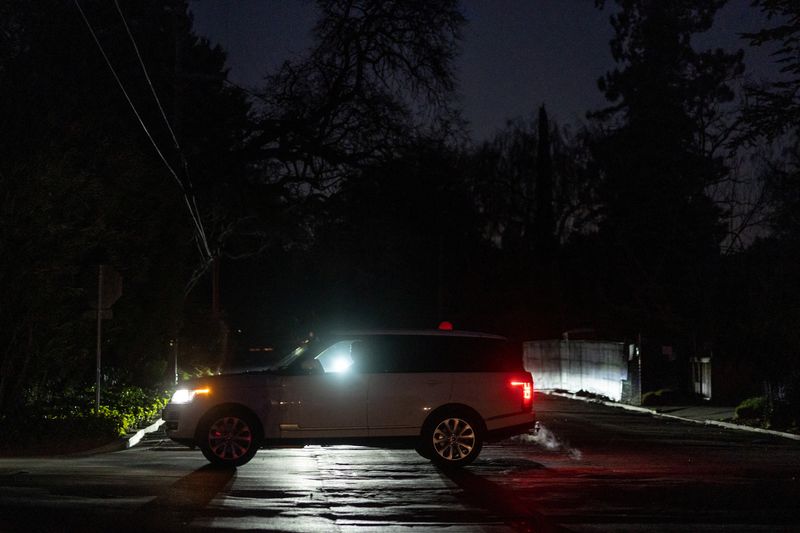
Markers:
point(454, 439)
point(230, 438)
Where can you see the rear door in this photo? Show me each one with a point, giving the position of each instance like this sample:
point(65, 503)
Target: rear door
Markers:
point(404, 384)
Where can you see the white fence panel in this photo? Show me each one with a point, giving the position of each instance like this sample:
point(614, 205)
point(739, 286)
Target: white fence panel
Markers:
point(592, 366)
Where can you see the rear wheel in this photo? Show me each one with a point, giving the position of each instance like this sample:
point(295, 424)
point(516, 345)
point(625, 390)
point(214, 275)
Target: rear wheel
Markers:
point(230, 438)
point(451, 439)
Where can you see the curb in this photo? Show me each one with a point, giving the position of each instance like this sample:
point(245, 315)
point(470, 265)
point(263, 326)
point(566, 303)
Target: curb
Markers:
point(134, 439)
point(123, 443)
point(636, 408)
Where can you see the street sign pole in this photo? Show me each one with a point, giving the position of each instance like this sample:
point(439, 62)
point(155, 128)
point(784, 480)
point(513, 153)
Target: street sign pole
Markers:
point(109, 290)
point(99, 336)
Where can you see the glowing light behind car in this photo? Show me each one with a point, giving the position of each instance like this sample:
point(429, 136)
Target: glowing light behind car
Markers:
point(341, 363)
point(338, 358)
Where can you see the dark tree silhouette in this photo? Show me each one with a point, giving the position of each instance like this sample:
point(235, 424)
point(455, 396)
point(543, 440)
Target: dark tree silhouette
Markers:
point(534, 190)
point(774, 108)
point(378, 77)
point(659, 154)
point(377, 73)
point(80, 182)
point(772, 113)
point(377, 83)
point(764, 313)
point(505, 173)
point(544, 224)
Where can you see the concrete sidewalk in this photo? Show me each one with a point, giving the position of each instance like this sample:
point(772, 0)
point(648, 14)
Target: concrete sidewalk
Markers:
point(698, 412)
point(711, 415)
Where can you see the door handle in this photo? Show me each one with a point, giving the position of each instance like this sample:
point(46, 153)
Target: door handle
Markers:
point(434, 382)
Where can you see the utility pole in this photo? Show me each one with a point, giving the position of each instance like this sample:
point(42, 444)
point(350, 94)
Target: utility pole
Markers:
point(99, 337)
point(216, 308)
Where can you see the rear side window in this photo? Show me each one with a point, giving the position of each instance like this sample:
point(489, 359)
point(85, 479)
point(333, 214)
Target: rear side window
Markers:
point(422, 353)
point(474, 354)
point(393, 354)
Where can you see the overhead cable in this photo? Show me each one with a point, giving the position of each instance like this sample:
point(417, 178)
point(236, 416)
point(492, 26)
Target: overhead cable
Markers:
point(205, 250)
point(178, 148)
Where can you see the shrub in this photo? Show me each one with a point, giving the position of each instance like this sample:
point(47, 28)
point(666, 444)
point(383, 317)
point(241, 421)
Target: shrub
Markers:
point(51, 421)
point(586, 394)
point(658, 397)
point(752, 408)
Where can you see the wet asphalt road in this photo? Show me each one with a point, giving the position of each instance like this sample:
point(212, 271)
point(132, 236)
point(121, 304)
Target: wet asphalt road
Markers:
point(592, 468)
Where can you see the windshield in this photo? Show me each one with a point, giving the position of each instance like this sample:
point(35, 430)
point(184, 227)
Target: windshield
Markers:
point(292, 356)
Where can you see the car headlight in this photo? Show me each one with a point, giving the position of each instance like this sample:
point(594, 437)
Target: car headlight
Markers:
point(187, 395)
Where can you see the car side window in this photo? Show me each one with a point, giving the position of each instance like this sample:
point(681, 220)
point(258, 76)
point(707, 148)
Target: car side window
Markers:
point(339, 357)
point(373, 360)
point(382, 354)
point(394, 354)
point(470, 354)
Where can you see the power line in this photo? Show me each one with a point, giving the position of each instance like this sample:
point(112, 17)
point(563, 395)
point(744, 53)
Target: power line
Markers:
point(152, 88)
point(168, 125)
point(204, 250)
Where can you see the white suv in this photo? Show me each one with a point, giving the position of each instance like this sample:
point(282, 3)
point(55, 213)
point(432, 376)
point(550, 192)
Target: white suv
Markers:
point(441, 392)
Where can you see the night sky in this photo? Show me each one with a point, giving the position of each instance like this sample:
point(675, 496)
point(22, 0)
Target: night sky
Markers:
point(517, 54)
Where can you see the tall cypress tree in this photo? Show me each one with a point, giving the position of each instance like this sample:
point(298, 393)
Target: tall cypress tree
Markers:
point(544, 229)
point(661, 229)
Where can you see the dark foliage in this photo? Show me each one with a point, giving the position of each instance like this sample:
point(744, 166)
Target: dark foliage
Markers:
point(772, 114)
point(378, 72)
point(660, 228)
point(768, 270)
point(81, 184)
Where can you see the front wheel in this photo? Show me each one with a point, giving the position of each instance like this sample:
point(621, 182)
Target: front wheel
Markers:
point(230, 438)
point(451, 440)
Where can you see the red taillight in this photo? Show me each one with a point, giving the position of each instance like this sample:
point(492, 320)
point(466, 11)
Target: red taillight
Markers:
point(527, 388)
point(527, 392)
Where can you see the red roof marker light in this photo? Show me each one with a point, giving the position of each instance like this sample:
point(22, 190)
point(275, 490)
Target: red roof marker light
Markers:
point(445, 326)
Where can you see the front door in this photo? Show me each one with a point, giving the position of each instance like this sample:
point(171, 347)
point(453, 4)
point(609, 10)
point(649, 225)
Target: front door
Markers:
point(327, 398)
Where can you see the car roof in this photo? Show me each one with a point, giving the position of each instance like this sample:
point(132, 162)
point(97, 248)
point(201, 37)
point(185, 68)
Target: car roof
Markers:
point(417, 333)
